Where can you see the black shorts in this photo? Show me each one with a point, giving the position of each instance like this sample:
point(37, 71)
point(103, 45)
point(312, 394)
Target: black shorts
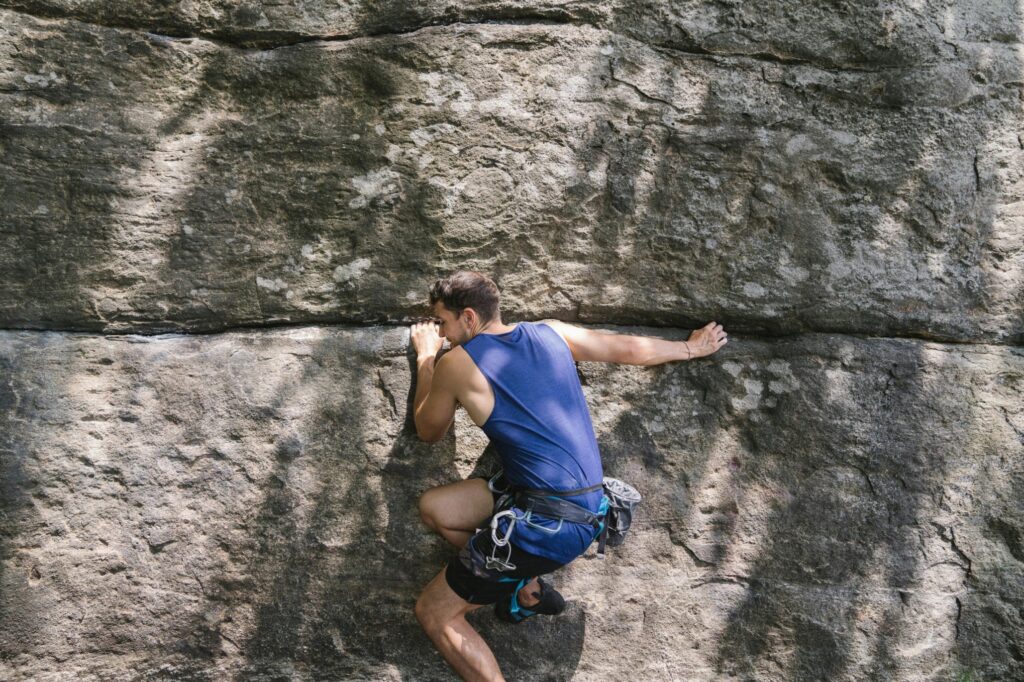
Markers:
point(469, 577)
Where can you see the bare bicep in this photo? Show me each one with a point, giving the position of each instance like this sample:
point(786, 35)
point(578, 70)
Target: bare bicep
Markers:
point(594, 345)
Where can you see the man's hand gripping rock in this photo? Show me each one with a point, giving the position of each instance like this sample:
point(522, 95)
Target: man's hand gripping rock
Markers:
point(426, 339)
point(706, 340)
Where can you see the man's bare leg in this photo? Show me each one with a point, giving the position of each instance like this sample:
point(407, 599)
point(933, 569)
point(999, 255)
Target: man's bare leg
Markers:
point(442, 613)
point(456, 510)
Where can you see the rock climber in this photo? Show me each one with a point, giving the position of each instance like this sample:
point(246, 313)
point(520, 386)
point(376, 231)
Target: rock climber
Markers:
point(519, 384)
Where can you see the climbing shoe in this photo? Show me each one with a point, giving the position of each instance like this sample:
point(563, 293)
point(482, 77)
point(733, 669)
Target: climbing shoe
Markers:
point(550, 603)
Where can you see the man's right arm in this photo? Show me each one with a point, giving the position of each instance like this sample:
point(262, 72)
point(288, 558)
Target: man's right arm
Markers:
point(592, 345)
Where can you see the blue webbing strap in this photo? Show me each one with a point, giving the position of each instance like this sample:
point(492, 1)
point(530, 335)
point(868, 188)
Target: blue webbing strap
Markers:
point(515, 609)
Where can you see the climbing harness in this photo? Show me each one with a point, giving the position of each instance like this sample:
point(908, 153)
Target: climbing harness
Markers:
point(519, 505)
point(610, 522)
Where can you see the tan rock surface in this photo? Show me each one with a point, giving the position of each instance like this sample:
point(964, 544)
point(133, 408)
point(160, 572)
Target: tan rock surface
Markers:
point(836, 495)
point(823, 507)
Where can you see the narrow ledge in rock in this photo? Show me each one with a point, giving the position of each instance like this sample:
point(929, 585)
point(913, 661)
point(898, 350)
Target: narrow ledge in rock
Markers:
point(631, 328)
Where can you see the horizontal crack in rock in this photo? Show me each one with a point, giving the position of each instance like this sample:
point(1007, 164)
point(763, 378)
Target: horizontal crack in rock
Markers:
point(238, 39)
point(358, 324)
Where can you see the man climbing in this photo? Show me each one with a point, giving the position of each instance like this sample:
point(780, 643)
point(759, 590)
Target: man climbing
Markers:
point(519, 384)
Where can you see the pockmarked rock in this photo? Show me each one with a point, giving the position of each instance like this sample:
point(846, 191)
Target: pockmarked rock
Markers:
point(244, 504)
point(663, 166)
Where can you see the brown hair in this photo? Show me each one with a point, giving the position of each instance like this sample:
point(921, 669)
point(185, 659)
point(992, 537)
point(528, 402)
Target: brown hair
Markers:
point(467, 289)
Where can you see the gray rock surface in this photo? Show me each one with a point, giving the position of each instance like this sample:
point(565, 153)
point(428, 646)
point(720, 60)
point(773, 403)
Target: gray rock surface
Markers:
point(817, 508)
point(157, 183)
point(822, 502)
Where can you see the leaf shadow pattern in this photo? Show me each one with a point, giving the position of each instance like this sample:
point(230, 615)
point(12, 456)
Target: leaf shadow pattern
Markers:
point(754, 635)
point(793, 509)
point(841, 520)
point(64, 199)
point(339, 602)
point(306, 236)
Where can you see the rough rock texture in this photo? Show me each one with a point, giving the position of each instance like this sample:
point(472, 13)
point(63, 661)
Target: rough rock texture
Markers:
point(817, 508)
point(154, 183)
point(217, 504)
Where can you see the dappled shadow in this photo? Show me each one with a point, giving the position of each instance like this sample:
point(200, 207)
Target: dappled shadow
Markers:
point(61, 200)
point(847, 514)
point(170, 203)
point(855, 490)
point(294, 250)
point(19, 622)
point(820, 525)
point(336, 577)
point(854, 503)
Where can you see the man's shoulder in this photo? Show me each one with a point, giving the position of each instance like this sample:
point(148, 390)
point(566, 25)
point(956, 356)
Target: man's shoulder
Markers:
point(456, 364)
point(561, 328)
point(557, 325)
point(459, 374)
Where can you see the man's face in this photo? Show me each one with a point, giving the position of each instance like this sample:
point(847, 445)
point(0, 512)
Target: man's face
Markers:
point(452, 328)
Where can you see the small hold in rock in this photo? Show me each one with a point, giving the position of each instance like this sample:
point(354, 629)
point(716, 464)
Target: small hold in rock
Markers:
point(156, 547)
point(289, 447)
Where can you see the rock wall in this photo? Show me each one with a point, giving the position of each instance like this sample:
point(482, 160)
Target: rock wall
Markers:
point(838, 494)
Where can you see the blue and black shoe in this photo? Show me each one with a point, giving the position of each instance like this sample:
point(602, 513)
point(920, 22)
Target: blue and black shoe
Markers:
point(550, 603)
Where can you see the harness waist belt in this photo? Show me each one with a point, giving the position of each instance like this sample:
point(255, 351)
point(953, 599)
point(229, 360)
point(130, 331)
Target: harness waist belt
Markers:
point(561, 493)
point(555, 508)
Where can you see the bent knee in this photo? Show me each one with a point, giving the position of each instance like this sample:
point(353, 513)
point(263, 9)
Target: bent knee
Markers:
point(425, 614)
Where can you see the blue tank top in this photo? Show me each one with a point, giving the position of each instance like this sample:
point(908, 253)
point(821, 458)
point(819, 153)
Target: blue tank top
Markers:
point(541, 429)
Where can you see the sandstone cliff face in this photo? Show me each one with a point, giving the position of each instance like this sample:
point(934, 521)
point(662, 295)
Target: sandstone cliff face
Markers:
point(158, 183)
point(835, 495)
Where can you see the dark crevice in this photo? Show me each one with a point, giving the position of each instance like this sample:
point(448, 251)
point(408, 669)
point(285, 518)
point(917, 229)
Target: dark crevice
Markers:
point(977, 175)
point(267, 40)
point(640, 92)
point(1019, 432)
point(867, 479)
point(627, 327)
point(783, 60)
point(387, 393)
point(741, 580)
point(959, 613)
point(948, 533)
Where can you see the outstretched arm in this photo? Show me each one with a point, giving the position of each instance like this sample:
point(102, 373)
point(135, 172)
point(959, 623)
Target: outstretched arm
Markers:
point(591, 345)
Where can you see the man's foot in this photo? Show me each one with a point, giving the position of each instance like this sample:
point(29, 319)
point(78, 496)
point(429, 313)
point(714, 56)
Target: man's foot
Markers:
point(549, 603)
